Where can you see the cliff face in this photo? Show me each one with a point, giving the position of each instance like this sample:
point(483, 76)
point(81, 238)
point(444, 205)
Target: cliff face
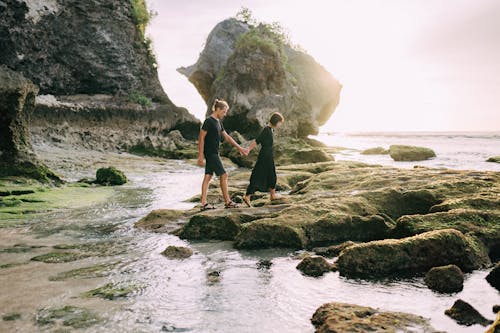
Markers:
point(97, 78)
point(78, 47)
point(257, 73)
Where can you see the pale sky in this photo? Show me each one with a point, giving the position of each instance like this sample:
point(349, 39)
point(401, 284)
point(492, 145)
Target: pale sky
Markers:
point(413, 65)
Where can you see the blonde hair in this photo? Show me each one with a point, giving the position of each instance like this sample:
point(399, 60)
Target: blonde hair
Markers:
point(276, 117)
point(219, 104)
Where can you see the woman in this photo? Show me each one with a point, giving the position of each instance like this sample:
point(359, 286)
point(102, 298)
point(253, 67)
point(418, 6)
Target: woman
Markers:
point(263, 176)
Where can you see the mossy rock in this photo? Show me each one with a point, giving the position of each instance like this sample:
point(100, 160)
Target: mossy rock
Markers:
point(413, 255)
point(445, 279)
point(72, 316)
point(314, 266)
point(59, 257)
point(343, 317)
point(266, 234)
point(335, 228)
point(375, 151)
point(464, 314)
point(158, 219)
point(483, 224)
point(212, 227)
point(113, 291)
point(110, 176)
point(494, 159)
point(313, 155)
point(410, 153)
point(177, 252)
point(332, 250)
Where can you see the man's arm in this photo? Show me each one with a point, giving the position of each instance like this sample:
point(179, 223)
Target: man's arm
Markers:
point(201, 145)
point(229, 139)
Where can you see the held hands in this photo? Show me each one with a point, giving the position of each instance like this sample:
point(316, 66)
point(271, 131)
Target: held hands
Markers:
point(200, 161)
point(243, 151)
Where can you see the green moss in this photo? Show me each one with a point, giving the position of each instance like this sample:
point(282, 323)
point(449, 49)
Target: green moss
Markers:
point(9, 265)
point(138, 98)
point(141, 15)
point(20, 248)
point(89, 272)
point(113, 291)
point(110, 176)
point(11, 316)
point(36, 171)
point(188, 152)
point(59, 257)
point(71, 316)
point(46, 199)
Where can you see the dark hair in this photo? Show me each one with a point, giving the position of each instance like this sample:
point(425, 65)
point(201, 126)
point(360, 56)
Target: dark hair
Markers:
point(276, 117)
point(219, 104)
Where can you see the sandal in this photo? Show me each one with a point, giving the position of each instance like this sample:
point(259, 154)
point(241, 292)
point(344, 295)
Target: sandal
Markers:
point(231, 204)
point(207, 206)
point(247, 202)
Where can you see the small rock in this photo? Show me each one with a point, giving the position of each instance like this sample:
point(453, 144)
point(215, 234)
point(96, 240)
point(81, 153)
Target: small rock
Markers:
point(494, 159)
point(375, 151)
point(464, 314)
point(177, 252)
point(493, 277)
point(213, 276)
point(264, 264)
point(446, 279)
point(496, 308)
point(314, 266)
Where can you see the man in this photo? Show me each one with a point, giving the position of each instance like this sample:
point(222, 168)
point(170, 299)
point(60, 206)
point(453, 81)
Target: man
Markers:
point(208, 147)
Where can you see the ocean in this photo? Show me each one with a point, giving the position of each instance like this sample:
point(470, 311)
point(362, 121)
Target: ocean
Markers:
point(454, 150)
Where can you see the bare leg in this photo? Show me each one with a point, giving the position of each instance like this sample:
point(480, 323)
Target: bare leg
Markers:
point(204, 188)
point(273, 195)
point(223, 186)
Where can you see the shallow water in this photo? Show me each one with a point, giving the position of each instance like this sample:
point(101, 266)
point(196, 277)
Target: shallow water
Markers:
point(177, 295)
point(454, 150)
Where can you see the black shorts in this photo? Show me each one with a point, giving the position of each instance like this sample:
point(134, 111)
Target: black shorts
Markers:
point(213, 164)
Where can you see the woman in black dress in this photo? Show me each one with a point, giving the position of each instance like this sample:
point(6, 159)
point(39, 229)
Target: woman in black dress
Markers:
point(263, 176)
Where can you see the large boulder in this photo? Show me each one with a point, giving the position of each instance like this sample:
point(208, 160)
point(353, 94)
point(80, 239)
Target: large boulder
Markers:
point(413, 255)
point(258, 73)
point(410, 153)
point(351, 318)
point(17, 100)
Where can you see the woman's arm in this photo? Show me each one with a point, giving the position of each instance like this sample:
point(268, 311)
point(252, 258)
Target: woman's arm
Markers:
point(253, 144)
point(229, 139)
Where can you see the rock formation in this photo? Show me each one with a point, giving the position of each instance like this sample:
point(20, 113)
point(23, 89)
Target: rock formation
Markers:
point(96, 74)
point(17, 100)
point(258, 73)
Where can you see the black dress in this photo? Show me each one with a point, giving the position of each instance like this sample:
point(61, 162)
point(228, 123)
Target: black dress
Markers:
point(263, 176)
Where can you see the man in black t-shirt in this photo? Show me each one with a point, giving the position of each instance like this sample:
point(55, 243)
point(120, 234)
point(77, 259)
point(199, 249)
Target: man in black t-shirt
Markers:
point(211, 135)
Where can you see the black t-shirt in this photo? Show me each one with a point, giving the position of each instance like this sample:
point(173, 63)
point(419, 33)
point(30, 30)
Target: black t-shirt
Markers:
point(213, 138)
